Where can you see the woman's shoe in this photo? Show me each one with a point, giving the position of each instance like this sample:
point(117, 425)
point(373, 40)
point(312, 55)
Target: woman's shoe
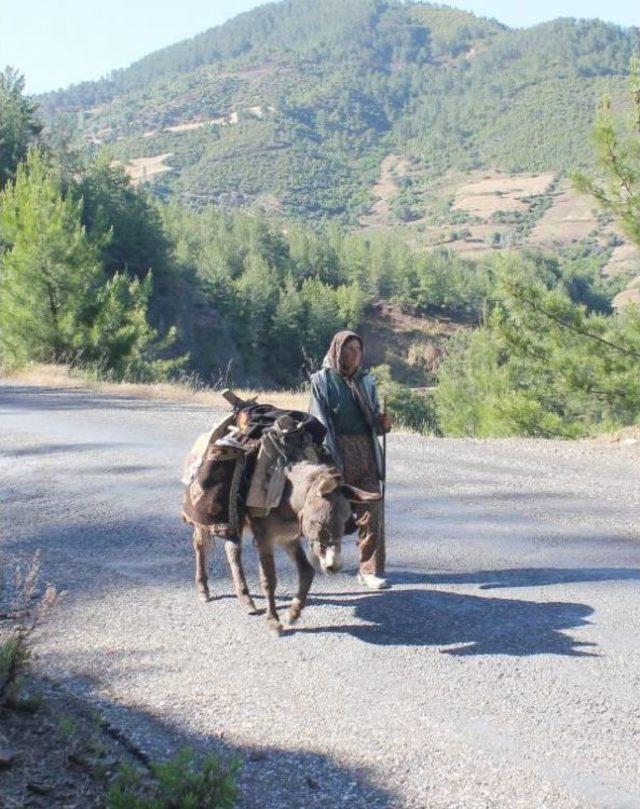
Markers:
point(373, 582)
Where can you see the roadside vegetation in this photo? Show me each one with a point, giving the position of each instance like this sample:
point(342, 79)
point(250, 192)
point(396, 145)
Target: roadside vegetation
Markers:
point(25, 602)
point(84, 762)
point(550, 358)
point(184, 782)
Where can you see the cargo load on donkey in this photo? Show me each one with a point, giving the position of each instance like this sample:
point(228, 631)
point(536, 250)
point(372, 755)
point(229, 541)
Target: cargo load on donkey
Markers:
point(267, 467)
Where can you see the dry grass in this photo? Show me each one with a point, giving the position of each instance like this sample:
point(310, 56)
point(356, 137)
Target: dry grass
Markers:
point(630, 294)
point(624, 257)
point(185, 127)
point(268, 204)
point(474, 50)
point(570, 218)
point(626, 438)
point(500, 192)
point(478, 242)
point(141, 168)
point(61, 376)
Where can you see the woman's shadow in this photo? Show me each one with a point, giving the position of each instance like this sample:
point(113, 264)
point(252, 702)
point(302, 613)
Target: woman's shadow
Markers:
point(472, 624)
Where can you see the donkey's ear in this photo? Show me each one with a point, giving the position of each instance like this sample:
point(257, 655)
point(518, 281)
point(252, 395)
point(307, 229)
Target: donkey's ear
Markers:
point(328, 484)
point(359, 495)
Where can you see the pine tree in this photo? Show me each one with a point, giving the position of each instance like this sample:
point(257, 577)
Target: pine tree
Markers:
point(618, 153)
point(120, 342)
point(55, 305)
point(49, 270)
point(257, 296)
point(288, 325)
point(125, 222)
point(19, 126)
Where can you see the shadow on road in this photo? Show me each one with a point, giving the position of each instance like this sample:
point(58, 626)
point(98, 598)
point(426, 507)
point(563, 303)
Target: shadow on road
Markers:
point(127, 554)
point(51, 399)
point(53, 449)
point(473, 624)
point(520, 577)
point(269, 776)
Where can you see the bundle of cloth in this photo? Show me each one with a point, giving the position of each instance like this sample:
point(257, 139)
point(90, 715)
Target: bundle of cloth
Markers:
point(239, 466)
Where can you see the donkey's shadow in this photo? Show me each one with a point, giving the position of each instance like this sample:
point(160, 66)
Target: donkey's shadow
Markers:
point(472, 624)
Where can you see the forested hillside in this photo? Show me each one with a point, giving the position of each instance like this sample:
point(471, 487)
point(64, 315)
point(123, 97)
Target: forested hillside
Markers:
point(291, 108)
point(219, 209)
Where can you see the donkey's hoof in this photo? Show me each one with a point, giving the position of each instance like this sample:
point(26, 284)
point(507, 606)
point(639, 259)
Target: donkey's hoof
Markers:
point(248, 603)
point(275, 626)
point(204, 595)
point(293, 616)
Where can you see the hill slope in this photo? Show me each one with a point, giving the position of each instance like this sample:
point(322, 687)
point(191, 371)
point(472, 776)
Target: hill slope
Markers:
point(293, 107)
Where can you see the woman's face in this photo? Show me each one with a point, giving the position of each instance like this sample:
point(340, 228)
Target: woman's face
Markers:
point(351, 355)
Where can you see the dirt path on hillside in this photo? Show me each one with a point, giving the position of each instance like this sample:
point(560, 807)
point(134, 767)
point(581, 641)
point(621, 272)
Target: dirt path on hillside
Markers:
point(385, 190)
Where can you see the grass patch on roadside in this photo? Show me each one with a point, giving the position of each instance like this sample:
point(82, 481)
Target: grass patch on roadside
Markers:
point(24, 603)
point(63, 376)
point(13, 655)
point(183, 781)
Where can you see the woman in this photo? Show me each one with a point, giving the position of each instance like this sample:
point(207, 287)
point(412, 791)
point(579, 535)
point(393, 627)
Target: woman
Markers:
point(344, 399)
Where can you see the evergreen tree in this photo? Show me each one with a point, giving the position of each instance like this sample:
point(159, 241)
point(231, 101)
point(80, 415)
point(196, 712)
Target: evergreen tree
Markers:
point(54, 303)
point(257, 296)
point(617, 145)
point(49, 270)
point(125, 222)
point(288, 326)
point(322, 317)
point(19, 126)
point(541, 365)
point(119, 342)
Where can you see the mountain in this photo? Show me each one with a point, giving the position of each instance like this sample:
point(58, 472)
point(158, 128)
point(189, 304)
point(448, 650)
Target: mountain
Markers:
point(294, 107)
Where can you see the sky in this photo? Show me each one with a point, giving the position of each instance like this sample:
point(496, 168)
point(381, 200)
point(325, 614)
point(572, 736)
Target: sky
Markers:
point(55, 43)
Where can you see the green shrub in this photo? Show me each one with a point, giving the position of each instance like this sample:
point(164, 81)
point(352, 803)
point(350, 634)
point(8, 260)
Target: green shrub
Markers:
point(409, 408)
point(183, 782)
point(12, 656)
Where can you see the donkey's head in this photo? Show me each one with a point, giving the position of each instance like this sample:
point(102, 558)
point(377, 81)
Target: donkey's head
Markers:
point(325, 512)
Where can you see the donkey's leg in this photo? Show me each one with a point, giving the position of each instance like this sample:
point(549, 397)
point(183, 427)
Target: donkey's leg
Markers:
point(268, 581)
point(305, 579)
point(234, 555)
point(202, 541)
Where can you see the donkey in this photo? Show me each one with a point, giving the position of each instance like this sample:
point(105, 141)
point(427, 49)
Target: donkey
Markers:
point(315, 504)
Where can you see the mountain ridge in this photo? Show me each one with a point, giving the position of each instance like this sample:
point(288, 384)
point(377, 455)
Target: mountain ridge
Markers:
point(340, 84)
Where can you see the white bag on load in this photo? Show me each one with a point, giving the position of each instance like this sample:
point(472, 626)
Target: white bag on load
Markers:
point(198, 451)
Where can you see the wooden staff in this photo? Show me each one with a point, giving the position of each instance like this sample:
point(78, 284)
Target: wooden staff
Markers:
point(384, 450)
point(384, 470)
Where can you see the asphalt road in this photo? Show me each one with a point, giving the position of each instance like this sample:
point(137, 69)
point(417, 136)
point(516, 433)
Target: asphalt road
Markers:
point(502, 669)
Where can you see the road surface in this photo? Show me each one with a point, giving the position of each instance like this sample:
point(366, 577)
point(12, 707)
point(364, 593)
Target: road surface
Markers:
point(502, 669)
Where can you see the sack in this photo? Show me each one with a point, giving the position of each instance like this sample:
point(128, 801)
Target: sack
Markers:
point(212, 477)
point(285, 442)
point(214, 496)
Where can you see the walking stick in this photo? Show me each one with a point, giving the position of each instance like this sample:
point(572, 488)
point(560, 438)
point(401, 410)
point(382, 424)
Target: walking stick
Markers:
point(384, 470)
point(384, 449)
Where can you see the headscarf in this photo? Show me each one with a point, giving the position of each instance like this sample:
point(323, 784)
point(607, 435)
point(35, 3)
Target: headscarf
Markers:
point(332, 360)
point(333, 355)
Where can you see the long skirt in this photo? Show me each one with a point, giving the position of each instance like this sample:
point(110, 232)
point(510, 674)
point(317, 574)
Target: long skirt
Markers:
point(360, 470)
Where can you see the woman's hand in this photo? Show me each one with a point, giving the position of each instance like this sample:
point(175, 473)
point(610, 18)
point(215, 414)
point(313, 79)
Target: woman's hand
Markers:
point(385, 422)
